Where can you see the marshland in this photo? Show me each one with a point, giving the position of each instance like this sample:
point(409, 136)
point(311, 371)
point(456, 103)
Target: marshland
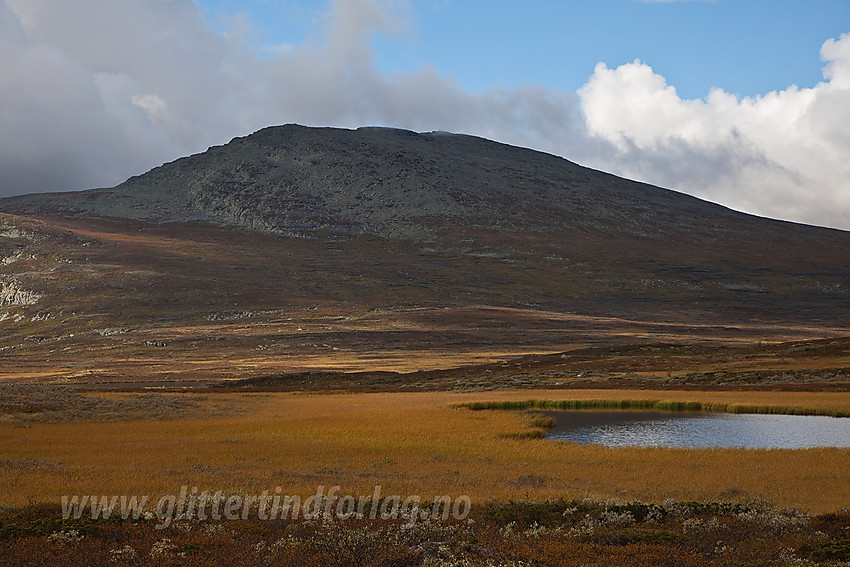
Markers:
point(532, 499)
point(406, 442)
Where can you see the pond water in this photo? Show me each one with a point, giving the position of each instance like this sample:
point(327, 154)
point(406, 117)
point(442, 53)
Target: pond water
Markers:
point(624, 428)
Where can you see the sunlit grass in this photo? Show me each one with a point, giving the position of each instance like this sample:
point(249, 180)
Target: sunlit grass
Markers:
point(410, 444)
point(658, 405)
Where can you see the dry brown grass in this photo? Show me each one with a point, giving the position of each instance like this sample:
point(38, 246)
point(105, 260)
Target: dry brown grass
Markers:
point(24, 404)
point(125, 302)
point(409, 444)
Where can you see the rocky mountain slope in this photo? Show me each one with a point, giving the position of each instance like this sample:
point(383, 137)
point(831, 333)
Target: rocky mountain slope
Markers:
point(375, 249)
point(296, 180)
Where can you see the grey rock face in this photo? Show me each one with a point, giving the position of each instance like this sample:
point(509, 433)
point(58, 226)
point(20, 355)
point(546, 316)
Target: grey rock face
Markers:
point(296, 180)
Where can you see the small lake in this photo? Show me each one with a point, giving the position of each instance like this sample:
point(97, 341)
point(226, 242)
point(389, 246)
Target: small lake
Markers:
point(630, 428)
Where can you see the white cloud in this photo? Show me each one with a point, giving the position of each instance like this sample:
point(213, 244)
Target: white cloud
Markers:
point(784, 154)
point(94, 91)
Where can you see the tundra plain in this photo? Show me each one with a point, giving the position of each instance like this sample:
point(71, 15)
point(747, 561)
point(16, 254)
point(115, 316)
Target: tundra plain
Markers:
point(307, 308)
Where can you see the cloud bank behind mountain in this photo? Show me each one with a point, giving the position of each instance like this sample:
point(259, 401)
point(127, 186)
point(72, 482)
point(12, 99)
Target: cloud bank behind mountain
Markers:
point(94, 91)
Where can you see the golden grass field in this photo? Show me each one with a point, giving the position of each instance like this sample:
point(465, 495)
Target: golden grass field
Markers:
point(409, 443)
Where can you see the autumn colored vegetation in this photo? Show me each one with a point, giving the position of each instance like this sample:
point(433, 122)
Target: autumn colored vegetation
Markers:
point(414, 443)
point(554, 532)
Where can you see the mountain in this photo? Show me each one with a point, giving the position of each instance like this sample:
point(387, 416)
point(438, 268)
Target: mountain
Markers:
point(296, 180)
point(383, 249)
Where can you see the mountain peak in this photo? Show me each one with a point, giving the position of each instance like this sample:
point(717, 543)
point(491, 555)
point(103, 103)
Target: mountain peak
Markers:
point(298, 180)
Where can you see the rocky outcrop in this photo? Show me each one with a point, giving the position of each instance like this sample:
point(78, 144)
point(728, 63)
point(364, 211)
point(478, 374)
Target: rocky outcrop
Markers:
point(12, 294)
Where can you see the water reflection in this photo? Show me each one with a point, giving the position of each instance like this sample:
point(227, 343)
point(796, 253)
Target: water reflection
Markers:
point(623, 428)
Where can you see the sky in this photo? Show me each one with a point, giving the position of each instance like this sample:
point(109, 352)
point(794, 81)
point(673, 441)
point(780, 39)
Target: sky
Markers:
point(741, 102)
